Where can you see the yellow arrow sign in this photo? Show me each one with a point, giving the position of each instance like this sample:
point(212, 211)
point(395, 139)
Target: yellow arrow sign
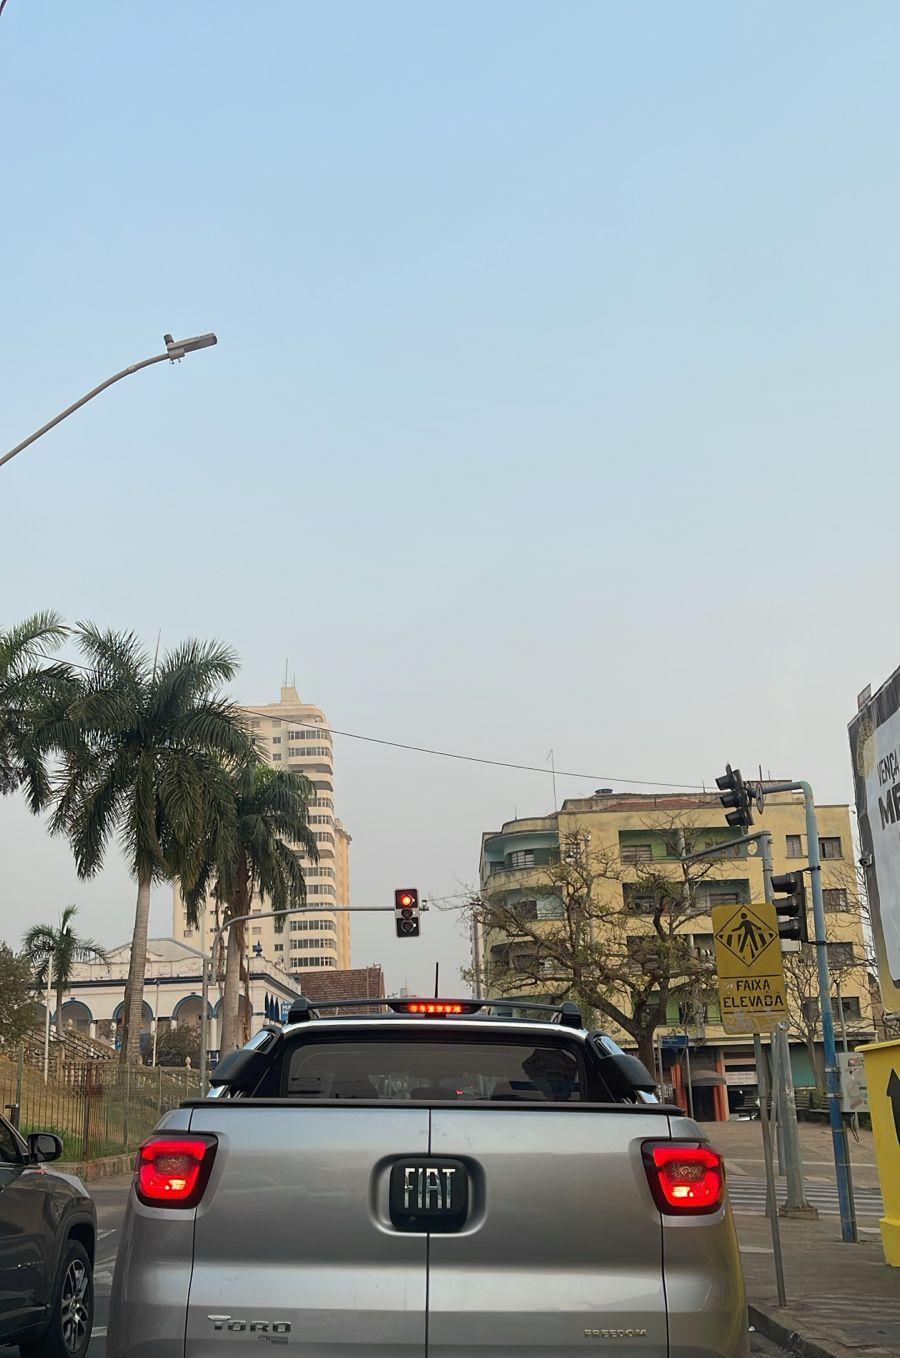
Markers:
point(748, 960)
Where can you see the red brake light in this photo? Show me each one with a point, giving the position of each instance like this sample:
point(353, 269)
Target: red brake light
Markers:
point(172, 1171)
point(685, 1179)
point(423, 1007)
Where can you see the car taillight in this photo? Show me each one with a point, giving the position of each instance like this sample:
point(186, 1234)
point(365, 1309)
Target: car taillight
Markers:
point(172, 1171)
point(686, 1179)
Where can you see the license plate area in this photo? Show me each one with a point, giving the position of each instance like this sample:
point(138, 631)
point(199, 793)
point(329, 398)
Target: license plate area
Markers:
point(429, 1194)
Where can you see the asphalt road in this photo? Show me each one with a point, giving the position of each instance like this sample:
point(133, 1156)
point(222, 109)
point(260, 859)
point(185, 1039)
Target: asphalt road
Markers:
point(111, 1195)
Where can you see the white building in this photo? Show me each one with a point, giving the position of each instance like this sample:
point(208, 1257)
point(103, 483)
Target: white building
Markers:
point(295, 735)
point(172, 991)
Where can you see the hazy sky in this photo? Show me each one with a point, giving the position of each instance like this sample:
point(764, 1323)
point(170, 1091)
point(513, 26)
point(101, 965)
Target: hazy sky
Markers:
point(555, 403)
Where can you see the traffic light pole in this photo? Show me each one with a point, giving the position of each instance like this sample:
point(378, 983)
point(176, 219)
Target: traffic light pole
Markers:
point(209, 961)
point(838, 1130)
point(796, 1204)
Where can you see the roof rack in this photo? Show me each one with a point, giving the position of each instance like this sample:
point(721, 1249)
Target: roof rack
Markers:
point(567, 1014)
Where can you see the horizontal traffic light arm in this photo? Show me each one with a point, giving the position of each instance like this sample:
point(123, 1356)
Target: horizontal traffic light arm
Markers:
point(725, 844)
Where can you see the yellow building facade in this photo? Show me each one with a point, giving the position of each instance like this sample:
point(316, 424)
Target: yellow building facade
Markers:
point(634, 831)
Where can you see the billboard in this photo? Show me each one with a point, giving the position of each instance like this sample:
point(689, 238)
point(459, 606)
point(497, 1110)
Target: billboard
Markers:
point(875, 753)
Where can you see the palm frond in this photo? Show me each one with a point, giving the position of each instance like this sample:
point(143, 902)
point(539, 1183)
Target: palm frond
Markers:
point(189, 674)
point(23, 643)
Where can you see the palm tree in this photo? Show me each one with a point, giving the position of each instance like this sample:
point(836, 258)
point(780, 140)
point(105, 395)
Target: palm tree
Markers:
point(59, 948)
point(141, 749)
point(26, 687)
point(249, 853)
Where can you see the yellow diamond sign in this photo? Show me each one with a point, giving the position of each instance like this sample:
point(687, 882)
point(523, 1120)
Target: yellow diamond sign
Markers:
point(748, 961)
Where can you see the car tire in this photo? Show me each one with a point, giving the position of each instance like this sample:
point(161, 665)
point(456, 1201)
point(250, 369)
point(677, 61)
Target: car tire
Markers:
point(69, 1332)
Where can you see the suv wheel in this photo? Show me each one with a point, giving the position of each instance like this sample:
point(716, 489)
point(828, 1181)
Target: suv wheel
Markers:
point(69, 1331)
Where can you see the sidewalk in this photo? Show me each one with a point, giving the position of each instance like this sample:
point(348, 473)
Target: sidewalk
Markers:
point(842, 1300)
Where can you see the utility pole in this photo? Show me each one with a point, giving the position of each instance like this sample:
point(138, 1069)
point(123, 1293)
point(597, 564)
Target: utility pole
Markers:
point(209, 963)
point(47, 999)
point(771, 1201)
point(838, 1130)
point(796, 1204)
point(155, 1023)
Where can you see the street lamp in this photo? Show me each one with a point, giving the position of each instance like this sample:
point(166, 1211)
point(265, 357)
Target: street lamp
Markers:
point(175, 349)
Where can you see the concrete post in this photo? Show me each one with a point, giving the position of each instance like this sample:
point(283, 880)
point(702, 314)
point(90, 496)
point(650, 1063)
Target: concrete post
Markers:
point(795, 1204)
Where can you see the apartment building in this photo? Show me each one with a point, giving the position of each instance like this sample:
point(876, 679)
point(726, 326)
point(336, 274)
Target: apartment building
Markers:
point(636, 829)
point(295, 735)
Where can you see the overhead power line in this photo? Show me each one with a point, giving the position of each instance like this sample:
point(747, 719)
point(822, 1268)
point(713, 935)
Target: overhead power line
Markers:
point(474, 758)
point(448, 754)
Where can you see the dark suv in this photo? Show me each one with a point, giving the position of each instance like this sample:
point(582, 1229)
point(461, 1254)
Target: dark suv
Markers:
point(48, 1229)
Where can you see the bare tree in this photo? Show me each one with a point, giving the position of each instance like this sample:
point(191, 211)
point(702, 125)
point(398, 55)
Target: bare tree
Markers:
point(801, 983)
point(615, 937)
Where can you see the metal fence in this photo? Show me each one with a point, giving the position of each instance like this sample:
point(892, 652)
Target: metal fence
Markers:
point(97, 1107)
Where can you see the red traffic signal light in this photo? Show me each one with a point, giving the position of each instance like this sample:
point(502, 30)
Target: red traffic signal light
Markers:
point(406, 912)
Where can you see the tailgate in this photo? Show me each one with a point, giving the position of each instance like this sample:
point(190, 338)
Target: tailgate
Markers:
point(293, 1231)
point(562, 1248)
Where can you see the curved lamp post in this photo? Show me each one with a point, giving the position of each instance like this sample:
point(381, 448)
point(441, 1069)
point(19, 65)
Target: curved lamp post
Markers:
point(175, 349)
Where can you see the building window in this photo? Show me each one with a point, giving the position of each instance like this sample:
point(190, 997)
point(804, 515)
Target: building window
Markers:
point(830, 847)
point(835, 898)
point(257, 928)
point(276, 758)
point(276, 740)
point(850, 1005)
point(641, 904)
point(840, 954)
point(794, 846)
point(723, 898)
point(637, 853)
point(522, 858)
point(279, 947)
point(550, 907)
point(706, 948)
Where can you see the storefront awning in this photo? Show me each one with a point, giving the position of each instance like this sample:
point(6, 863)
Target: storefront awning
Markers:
point(706, 1078)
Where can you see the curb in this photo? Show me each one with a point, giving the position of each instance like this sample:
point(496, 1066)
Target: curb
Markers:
point(786, 1338)
point(99, 1169)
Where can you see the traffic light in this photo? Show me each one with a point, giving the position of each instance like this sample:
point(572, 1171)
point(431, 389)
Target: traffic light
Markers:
point(406, 912)
point(793, 924)
point(734, 794)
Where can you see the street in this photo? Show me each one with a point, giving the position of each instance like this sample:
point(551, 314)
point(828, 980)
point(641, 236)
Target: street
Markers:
point(110, 1196)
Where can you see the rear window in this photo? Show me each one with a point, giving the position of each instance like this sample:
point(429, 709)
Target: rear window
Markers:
point(450, 1071)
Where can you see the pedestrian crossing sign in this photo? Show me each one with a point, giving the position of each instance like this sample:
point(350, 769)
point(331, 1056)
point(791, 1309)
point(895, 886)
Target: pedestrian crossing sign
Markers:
point(749, 966)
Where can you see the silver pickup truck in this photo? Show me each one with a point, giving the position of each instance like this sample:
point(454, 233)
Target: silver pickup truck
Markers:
point(429, 1179)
